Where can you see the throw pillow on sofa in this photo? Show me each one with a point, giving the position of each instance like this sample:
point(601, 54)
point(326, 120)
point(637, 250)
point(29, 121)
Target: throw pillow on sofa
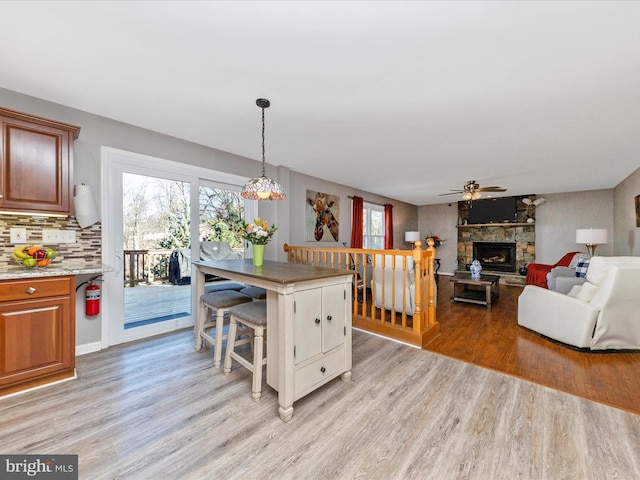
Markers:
point(582, 267)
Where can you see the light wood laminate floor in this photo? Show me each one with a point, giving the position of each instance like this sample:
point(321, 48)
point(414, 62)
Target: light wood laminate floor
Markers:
point(157, 409)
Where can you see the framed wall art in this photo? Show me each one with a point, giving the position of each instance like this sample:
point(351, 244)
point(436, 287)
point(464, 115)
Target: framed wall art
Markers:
point(321, 217)
point(637, 210)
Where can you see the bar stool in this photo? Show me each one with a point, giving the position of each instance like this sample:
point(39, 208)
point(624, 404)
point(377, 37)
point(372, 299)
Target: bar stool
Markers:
point(254, 316)
point(217, 303)
point(217, 287)
point(257, 293)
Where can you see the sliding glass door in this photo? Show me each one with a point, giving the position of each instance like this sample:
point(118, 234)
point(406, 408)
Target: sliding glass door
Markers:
point(151, 238)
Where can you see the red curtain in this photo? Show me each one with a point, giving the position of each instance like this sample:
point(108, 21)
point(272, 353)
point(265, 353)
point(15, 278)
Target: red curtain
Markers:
point(357, 224)
point(388, 226)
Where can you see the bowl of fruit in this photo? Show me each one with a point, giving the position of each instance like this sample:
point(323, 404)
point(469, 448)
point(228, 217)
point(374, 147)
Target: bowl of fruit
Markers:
point(31, 256)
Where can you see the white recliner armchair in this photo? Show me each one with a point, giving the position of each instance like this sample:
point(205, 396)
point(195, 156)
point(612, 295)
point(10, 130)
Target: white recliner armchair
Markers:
point(601, 314)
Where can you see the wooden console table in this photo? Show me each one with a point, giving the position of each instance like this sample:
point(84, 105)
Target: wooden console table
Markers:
point(308, 322)
point(491, 291)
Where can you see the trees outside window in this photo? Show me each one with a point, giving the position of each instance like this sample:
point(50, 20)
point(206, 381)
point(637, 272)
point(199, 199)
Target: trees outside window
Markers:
point(221, 216)
point(156, 214)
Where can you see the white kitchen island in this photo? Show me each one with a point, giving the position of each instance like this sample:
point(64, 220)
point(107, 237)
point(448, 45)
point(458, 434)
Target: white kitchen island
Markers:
point(308, 322)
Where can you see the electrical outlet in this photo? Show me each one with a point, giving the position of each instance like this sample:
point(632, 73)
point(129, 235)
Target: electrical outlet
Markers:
point(53, 235)
point(18, 235)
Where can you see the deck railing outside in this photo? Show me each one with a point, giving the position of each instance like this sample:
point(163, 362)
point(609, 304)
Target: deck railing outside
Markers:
point(401, 318)
point(146, 266)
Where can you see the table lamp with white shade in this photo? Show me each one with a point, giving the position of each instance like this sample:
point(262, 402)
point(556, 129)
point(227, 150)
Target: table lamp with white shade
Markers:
point(591, 238)
point(412, 238)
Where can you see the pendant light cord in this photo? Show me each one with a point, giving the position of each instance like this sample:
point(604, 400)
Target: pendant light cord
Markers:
point(263, 172)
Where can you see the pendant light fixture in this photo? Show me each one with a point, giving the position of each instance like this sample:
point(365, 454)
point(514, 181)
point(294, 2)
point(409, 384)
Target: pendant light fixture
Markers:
point(262, 188)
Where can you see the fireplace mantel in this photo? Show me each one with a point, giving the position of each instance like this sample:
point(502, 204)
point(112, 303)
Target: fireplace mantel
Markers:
point(504, 225)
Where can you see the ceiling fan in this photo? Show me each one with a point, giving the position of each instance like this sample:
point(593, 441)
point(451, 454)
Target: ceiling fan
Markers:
point(472, 190)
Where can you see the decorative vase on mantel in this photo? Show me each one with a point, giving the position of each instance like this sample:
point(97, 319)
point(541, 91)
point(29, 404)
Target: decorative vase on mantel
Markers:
point(476, 269)
point(258, 255)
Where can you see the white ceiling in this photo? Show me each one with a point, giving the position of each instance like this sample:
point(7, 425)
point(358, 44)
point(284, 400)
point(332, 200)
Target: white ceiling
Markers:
point(402, 99)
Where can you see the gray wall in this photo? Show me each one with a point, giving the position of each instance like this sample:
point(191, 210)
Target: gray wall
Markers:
point(557, 219)
point(441, 220)
point(288, 214)
point(563, 213)
point(404, 215)
point(556, 222)
point(627, 234)
point(98, 131)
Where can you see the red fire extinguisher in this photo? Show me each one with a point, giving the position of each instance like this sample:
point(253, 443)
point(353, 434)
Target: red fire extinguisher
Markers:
point(92, 300)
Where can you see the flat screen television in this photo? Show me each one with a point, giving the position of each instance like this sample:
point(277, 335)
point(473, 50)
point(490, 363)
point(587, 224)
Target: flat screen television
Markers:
point(492, 210)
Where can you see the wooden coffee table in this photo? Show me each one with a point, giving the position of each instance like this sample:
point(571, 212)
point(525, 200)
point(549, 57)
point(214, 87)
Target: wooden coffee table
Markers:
point(482, 296)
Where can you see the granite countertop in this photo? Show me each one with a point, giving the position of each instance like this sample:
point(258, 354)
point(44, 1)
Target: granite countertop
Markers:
point(75, 267)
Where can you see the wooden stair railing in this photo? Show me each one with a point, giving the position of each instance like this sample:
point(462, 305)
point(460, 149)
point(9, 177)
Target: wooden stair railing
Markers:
point(391, 321)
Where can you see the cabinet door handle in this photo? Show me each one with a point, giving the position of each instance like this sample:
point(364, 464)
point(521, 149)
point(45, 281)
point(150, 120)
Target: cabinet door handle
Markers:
point(323, 369)
point(31, 291)
point(318, 321)
point(329, 317)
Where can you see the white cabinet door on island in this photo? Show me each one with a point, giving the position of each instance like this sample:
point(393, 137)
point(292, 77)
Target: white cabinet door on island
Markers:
point(320, 333)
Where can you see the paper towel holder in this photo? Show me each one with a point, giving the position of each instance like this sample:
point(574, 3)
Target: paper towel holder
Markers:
point(84, 206)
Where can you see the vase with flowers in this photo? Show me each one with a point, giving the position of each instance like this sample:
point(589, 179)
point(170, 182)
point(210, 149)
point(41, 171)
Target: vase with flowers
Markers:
point(437, 241)
point(258, 234)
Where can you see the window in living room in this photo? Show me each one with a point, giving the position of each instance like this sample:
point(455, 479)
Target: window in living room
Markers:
point(373, 226)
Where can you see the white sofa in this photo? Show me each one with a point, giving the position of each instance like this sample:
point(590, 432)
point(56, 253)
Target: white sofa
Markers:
point(601, 314)
point(563, 279)
point(396, 282)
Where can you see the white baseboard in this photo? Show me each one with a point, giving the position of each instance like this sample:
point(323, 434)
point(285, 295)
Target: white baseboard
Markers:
point(386, 338)
point(88, 348)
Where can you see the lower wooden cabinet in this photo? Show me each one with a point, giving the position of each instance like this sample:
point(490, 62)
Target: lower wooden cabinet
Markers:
point(37, 331)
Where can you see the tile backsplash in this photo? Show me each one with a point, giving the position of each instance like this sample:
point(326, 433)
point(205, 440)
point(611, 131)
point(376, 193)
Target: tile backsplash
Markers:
point(88, 246)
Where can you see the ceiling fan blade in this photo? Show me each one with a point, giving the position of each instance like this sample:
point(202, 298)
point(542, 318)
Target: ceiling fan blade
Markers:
point(491, 189)
point(457, 192)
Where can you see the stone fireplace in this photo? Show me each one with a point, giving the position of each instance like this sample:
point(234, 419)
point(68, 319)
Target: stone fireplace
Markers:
point(519, 236)
point(496, 256)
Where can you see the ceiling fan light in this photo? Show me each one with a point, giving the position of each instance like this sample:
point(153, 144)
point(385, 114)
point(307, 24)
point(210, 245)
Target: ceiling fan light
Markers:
point(475, 195)
point(466, 196)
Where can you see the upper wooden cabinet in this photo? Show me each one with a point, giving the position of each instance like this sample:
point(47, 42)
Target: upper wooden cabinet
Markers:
point(36, 164)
